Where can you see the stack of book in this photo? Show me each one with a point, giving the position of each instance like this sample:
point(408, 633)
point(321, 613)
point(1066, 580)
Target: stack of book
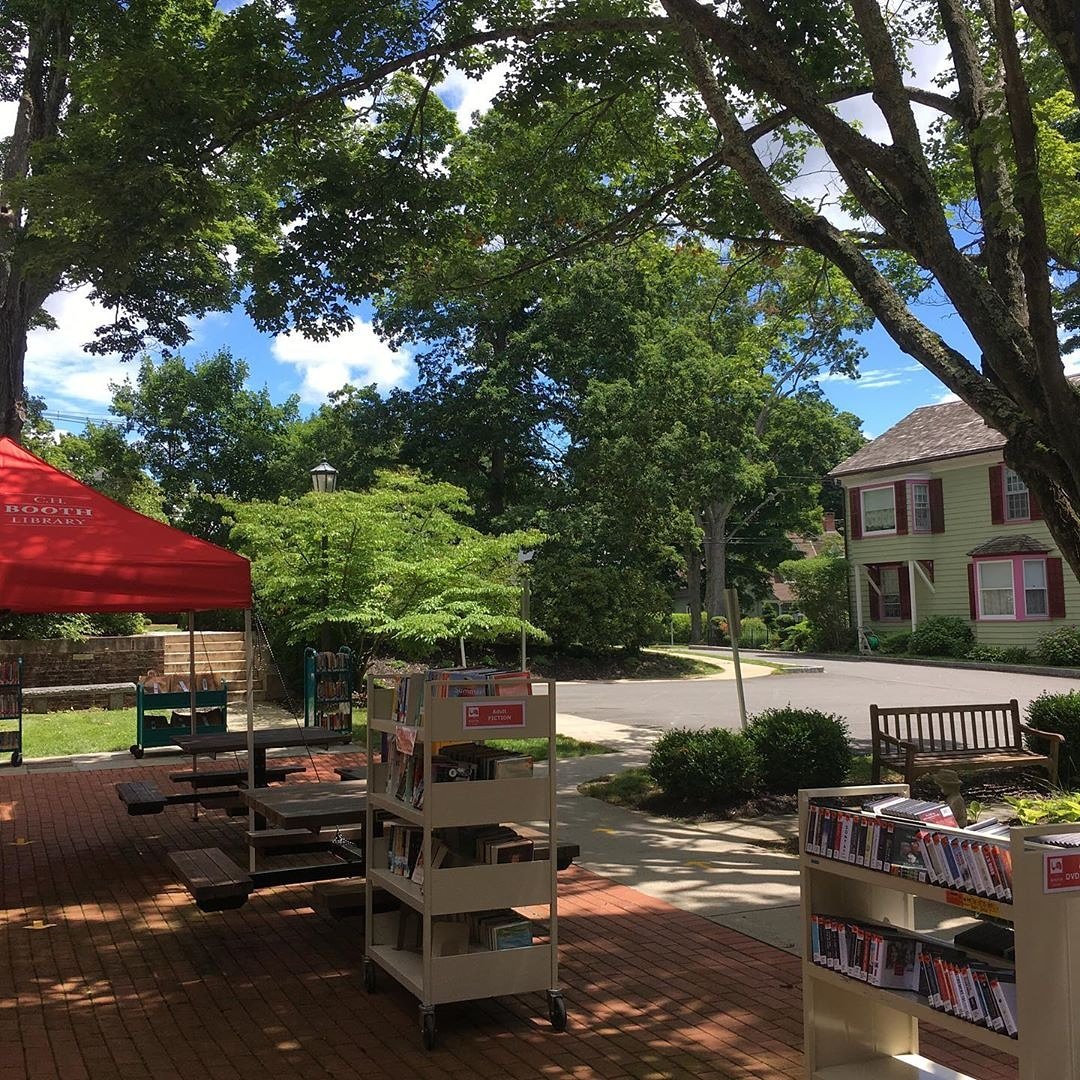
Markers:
point(9, 705)
point(497, 844)
point(894, 836)
point(946, 979)
point(489, 762)
point(479, 682)
point(9, 672)
point(405, 776)
point(498, 930)
point(403, 846)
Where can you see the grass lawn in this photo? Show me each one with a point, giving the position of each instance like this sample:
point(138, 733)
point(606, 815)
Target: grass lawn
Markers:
point(685, 651)
point(93, 731)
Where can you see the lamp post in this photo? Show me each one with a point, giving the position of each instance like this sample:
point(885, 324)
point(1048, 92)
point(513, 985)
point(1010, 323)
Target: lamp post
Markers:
point(524, 557)
point(324, 482)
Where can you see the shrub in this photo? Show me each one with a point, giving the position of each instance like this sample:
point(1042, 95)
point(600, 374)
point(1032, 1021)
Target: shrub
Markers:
point(942, 635)
point(786, 621)
point(1060, 713)
point(895, 644)
point(1060, 647)
point(714, 765)
point(987, 654)
point(799, 638)
point(1016, 654)
point(754, 631)
point(718, 630)
point(820, 585)
point(800, 748)
point(119, 624)
point(681, 624)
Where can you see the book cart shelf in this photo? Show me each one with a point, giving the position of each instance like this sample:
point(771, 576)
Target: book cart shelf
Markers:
point(11, 709)
point(857, 1031)
point(460, 889)
point(328, 689)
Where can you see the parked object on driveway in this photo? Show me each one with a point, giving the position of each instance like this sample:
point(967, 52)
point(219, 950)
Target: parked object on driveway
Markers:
point(920, 739)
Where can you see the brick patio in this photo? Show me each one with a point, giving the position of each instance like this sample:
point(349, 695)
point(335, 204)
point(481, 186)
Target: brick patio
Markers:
point(128, 979)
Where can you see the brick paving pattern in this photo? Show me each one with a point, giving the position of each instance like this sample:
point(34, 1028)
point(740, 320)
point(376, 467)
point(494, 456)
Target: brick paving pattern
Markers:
point(128, 979)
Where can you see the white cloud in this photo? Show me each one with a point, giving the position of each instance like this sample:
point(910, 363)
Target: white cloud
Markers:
point(358, 356)
point(943, 399)
point(473, 95)
point(57, 366)
point(870, 379)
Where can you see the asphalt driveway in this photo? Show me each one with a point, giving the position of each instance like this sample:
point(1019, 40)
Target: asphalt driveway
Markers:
point(847, 687)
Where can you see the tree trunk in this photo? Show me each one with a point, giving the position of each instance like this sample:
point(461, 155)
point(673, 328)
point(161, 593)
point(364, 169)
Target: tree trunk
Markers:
point(693, 589)
point(12, 360)
point(716, 518)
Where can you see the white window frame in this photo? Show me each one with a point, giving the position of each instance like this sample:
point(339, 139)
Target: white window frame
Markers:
point(1019, 489)
point(862, 510)
point(979, 564)
point(899, 607)
point(913, 486)
point(1045, 613)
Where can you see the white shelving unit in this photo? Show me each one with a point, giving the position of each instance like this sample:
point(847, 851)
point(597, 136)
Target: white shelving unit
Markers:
point(478, 973)
point(855, 1031)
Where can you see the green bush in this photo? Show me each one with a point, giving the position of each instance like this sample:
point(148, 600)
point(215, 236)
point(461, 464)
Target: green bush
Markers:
point(710, 766)
point(799, 638)
point(681, 624)
point(820, 584)
point(942, 635)
point(1016, 654)
point(800, 748)
point(987, 654)
point(1060, 713)
point(1060, 647)
point(895, 644)
point(754, 632)
point(119, 624)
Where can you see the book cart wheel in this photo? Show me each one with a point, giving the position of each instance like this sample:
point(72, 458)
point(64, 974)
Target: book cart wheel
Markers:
point(16, 759)
point(136, 751)
point(370, 977)
point(557, 1010)
point(427, 1026)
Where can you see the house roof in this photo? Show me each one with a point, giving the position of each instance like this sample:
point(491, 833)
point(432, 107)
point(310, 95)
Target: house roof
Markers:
point(929, 433)
point(1011, 545)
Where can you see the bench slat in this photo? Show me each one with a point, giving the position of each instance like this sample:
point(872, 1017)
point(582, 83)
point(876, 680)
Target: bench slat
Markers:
point(141, 797)
point(212, 878)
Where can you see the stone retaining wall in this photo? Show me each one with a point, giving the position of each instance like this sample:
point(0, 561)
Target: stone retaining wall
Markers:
point(56, 662)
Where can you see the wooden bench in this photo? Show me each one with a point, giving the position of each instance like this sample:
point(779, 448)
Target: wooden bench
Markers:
point(141, 797)
point(275, 774)
point(296, 841)
point(352, 772)
point(212, 878)
point(924, 738)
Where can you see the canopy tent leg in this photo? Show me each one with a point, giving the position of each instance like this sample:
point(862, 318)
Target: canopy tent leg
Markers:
point(191, 703)
point(249, 659)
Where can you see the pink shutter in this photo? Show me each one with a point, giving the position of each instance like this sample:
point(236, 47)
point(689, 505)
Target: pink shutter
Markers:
point(905, 592)
point(973, 607)
point(997, 500)
point(937, 506)
point(855, 515)
point(900, 487)
point(874, 573)
point(1055, 588)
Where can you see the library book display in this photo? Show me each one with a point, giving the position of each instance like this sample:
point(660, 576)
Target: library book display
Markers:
point(1003, 974)
point(445, 868)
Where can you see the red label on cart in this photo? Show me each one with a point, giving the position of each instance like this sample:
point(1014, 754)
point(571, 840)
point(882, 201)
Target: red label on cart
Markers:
point(509, 714)
point(1061, 873)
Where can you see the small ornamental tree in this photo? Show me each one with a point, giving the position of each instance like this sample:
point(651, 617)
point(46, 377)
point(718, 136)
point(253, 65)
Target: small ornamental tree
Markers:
point(820, 587)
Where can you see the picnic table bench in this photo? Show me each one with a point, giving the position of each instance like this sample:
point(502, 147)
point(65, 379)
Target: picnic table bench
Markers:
point(213, 879)
point(920, 739)
point(203, 778)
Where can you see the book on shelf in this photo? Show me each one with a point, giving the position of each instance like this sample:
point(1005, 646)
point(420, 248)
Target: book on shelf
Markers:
point(9, 673)
point(945, 978)
point(498, 930)
point(973, 860)
point(919, 810)
point(331, 661)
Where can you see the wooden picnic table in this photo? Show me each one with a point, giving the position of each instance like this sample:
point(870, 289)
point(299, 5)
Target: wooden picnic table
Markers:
point(310, 806)
point(277, 738)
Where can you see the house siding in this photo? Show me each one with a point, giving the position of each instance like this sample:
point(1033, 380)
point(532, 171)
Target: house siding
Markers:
point(966, 497)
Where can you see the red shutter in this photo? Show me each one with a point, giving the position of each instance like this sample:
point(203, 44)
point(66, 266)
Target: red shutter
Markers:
point(874, 574)
point(855, 516)
point(997, 502)
point(900, 487)
point(1055, 588)
point(1034, 509)
point(937, 506)
point(973, 607)
point(905, 592)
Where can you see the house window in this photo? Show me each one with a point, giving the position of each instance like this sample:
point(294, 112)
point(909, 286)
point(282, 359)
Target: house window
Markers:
point(890, 592)
point(996, 600)
point(1035, 603)
point(920, 508)
point(1017, 500)
point(878, 510)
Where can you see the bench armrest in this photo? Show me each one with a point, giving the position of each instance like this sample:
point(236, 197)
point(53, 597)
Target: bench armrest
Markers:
point(897, 742)
point(1053, 736)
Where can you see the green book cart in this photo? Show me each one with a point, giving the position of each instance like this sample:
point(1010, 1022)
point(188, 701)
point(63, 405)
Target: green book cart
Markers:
point(11, 705)
point(158, 725)
point(328, 689)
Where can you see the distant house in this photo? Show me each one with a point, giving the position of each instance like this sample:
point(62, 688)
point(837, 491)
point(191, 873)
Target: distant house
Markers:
point(937, 524)
point(782, 597)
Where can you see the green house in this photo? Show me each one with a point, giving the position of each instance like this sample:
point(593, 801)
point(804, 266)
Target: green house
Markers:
point(937, 524)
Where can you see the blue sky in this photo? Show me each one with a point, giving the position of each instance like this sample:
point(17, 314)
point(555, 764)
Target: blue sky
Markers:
point(75, 384)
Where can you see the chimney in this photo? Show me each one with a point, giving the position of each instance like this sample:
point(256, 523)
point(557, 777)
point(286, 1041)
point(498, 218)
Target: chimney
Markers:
point(828, 523)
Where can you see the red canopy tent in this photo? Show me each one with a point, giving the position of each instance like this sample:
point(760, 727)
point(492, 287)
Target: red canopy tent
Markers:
point(66, 547)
